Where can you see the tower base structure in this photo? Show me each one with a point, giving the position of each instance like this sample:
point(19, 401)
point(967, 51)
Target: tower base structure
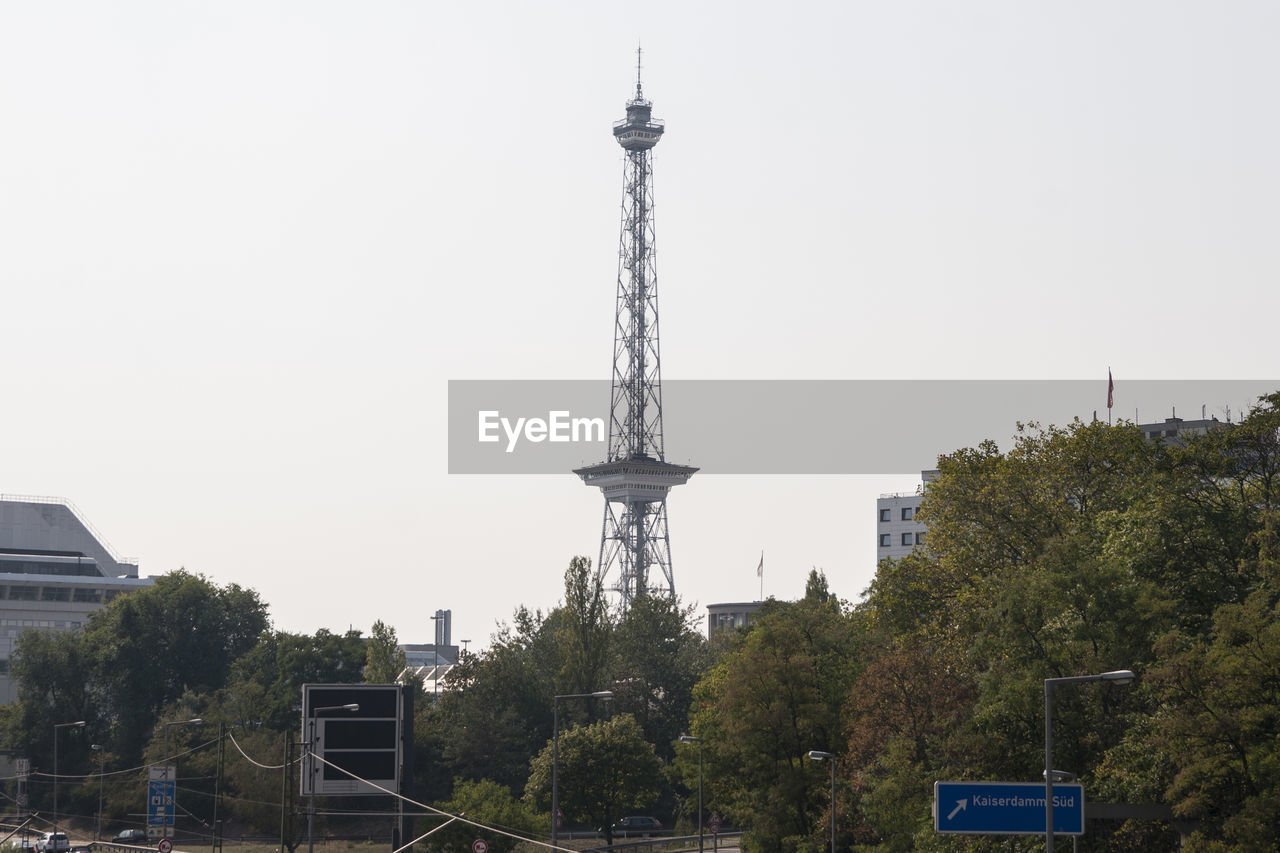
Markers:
point(634, 538)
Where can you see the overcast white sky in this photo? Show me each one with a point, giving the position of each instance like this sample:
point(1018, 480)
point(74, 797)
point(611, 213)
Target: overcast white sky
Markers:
point(245, 245)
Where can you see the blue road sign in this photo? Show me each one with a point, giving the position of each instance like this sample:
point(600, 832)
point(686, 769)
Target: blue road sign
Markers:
point(160, 802)
point(1005, 808)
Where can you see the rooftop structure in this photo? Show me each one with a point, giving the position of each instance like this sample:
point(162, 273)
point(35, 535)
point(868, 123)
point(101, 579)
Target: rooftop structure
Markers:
point(55, 570)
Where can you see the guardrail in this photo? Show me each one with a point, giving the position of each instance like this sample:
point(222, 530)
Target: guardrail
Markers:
point(673, 843)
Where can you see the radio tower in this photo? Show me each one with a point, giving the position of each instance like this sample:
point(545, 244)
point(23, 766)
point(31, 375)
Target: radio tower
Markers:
point(635, 551)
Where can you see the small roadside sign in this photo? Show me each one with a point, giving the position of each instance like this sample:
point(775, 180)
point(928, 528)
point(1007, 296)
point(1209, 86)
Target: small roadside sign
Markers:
point(477, 846)
point(165, 846)
point(1005, 808)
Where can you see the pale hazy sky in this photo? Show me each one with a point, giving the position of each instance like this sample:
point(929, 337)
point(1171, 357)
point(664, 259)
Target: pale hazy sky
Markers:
point(245, 245)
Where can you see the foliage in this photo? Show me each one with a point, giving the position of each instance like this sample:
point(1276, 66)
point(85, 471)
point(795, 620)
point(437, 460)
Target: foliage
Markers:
point(1080, 549)
point(384, 659)
point(583, 631)
point(606, 770)
point(497, 711)
point(265, 689)
point(491, 805)
point(138, 654)
point(776, 695)
point(659, 658)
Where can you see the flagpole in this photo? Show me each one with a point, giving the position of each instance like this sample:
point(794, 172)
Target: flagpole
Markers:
point(760, 574)
point(1111, 388)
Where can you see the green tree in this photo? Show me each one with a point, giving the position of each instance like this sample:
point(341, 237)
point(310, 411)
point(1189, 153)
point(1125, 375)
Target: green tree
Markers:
point(606, 769)
point(384, 659)
point(503, 819)
point(137, 655)
point(155, 644)
point(659, 657)
point(266, 682)
point(583, 631)
point(497, 711)
point(768, 701)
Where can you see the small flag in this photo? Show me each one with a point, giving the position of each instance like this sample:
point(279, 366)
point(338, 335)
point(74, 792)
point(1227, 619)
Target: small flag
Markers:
point(1111, 389)
point(760, 568)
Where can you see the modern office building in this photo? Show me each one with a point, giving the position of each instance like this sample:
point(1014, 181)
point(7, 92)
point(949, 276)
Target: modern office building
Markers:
point(55, 570)
point(897, 531)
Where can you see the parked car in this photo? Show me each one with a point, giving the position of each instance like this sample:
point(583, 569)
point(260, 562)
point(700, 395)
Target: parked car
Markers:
point(22, 845)
point(637, 825)
point(53, 842)
point(131, 836)
point(81, 848)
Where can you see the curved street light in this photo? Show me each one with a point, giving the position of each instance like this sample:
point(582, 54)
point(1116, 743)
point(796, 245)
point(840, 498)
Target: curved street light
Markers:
point(819, 755)
point(78, 724)
point(1119, 676)
point(555, 754)
point(698, 741)
point(311, 761)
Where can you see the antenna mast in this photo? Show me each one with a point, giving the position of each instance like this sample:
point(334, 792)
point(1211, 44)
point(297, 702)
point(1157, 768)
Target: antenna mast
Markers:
point(635, 550)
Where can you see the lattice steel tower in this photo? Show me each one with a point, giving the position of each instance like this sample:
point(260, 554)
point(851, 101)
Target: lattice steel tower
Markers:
point(635, 550)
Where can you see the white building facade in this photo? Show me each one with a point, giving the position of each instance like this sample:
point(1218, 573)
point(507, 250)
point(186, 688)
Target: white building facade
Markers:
point(897, 531)
point(55, 570)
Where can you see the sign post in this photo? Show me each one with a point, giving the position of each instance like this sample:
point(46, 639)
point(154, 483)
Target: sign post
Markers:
point(160, 809)
point(1005, 808)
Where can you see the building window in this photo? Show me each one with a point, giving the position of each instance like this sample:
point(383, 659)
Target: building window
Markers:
point(884, 540)
point(884, 514)
point(24, 593)
point(906, 513)
point(55, 593)
point(919, 538)
point(906, 539)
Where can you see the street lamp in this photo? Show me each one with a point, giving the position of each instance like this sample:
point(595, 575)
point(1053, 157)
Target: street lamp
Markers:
point(97, 827)
point(1119, 676)
point(555, 754)
point(78, 724)
point(819, 755)
point(698, 741)
point(168, 794)
point(311, 761)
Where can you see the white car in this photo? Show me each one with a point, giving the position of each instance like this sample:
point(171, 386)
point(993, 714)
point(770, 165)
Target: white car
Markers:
point(53, 842)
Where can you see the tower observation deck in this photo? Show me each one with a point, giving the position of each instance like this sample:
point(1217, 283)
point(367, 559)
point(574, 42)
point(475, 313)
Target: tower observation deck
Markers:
point(635, 549)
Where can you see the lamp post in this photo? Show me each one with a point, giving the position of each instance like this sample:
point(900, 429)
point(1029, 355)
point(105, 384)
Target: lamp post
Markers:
point(97, 827)
point(168, 794)
point(555, 754)
point(78, 724)
point(819, 755)
point(311, 765)
point(1119, 676)
point(698, 741)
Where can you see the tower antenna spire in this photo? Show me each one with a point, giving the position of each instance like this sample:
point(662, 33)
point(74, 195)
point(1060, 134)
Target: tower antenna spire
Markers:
point(635, 550)
point(639, 95)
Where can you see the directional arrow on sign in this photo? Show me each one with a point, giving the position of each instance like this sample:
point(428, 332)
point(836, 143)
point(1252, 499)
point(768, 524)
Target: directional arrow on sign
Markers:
point(1006, 808)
